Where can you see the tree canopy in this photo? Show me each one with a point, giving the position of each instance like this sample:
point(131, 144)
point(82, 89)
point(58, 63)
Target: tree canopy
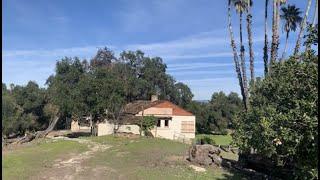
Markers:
point(283, 118)
point(216, 115)
point(99, 89)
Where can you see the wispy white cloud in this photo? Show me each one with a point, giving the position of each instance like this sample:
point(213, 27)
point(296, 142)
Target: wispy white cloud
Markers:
point(202, 45)
point(194, 56)
point(203, 88)
point(210, 44)
point(192, 66)
point(208, 79)
point(209, 72)
point(74, 51)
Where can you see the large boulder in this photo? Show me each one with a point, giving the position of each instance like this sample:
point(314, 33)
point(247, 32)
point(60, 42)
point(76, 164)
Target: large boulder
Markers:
point(205, 154)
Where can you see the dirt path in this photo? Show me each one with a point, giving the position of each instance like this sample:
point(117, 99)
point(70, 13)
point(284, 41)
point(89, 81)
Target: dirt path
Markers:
point(75, 165)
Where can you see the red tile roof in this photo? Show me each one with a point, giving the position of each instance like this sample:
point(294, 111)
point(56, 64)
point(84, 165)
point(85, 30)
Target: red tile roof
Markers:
point(136, 106)
point(176, 110)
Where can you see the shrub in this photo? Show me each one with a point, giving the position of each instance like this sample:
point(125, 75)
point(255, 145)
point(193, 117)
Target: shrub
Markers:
point(224, 132)
point(205, 140)
point(147, 123)
point(281, 122)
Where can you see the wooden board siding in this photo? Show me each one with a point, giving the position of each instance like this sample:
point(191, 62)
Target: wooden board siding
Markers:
point(187, 127)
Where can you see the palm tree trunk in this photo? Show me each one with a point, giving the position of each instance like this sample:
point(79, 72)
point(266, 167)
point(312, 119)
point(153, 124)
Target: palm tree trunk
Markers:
point(303, 24)
point(308, 46)
point(249, 25)
point(315, 14)
point(265, 48)
point(235, 56)
point(275, 34)
point(243, 63)
point(285, 47)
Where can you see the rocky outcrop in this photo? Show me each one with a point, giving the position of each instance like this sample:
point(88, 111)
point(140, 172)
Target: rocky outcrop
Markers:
point(205, 155)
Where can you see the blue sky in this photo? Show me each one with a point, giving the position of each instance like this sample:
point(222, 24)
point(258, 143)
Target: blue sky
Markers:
point(191, 37)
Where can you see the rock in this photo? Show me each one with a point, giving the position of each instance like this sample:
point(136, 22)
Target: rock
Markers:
point(216, 159)
point(206, 161)
point(226, 164)
point(205, 154)
point(197, 169)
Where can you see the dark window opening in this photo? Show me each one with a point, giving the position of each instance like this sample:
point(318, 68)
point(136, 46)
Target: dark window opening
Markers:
point(159, 123)
point(166, 123)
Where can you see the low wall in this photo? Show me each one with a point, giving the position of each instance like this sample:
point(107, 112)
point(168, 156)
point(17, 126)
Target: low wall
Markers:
point(129, 129)
point(75, 127)
point(106, 128)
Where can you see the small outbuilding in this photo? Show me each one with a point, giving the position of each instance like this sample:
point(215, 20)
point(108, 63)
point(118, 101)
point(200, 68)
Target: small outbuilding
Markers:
point(173, 122)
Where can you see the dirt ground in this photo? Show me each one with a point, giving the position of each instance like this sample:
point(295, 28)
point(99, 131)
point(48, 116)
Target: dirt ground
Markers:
point(107, 157)
point(71, 167)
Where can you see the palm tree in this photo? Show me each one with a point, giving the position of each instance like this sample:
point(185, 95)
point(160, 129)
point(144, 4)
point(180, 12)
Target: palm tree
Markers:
point(315, 14)
point(275, 36)
point(241, 7)
point(265, 48)
point(291, 17)
point(302, 26)
point(275, 30)
point(249, 25)
point(235, 57)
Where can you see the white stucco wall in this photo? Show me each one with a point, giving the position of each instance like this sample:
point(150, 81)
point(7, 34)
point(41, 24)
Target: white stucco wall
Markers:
point(129, 129)
point(172, 132)
point(75, 126)
point(106, 128)
point(84, 127)
point(174, 129)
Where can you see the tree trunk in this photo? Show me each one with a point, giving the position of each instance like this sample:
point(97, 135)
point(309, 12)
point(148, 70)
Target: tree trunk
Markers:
point(51, 126)
point(275, 33)
point(249, 25)
point(302, 26)
point(265, 48)
point(115, 124)
point(235, 55)
point(39, 134)
point(243, 62)
point(91, 125)
point(285, 47)
point(315, 14)
point(308, 46)
point(141, 122)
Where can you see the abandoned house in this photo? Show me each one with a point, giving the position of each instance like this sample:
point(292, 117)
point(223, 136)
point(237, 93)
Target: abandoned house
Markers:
point(173, 122)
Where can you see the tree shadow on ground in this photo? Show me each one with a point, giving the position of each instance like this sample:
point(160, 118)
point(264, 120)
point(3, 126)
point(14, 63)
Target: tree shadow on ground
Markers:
point(78, 134)
point(235, 175)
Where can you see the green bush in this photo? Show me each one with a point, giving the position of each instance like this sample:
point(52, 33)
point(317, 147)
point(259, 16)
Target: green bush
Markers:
point(224, 132)
point(205, 140)
point(282, 121)
point(147, 123)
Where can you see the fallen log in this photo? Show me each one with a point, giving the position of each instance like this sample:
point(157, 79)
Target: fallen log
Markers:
point(11, 140)
point(39, 134)
point(11, 136)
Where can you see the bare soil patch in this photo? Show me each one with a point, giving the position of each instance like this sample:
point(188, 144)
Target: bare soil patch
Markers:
point(72, 166)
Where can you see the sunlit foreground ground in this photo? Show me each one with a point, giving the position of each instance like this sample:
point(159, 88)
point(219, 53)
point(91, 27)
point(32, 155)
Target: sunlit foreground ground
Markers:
point(105, 157)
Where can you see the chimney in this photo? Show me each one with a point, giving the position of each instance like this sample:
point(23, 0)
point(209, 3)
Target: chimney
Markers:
point(154, 98)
